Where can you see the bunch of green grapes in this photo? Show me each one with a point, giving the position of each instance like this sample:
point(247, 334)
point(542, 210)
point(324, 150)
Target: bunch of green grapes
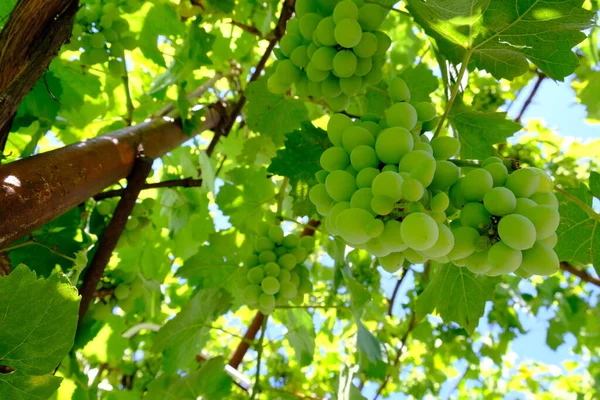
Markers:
point(331, 50)
point(383, 184)
point(274, 275)
point(507, 222)
point(103, 34)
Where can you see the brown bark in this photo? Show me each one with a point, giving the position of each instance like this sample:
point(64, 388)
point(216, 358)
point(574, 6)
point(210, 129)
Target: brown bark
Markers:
point(29, 41)
point(112, 233)
point(240, 352)
point(35, 190)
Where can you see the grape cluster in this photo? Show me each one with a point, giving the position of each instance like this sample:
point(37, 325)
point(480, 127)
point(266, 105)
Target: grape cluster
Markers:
point(274, 274)
point(331, 50)
point(507, 222)
point(382, 184)
point(103, 33)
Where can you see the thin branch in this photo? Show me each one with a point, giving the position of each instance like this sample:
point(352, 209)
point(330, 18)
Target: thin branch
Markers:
point(196, 93)
point(396, 290)
point(253, 30)
point(186, 183)
point(35, 242)
point(455, 89)
point(583, 275)
point(310, 228)
point(112, 233)
point(278, 32)
point(259, 350)
point(128, 100)
point(411, 326)
point(240, 352)
point(540, 77)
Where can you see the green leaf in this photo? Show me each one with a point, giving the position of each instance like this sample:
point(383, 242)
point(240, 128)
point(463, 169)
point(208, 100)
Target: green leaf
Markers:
point(39, 319)
point(185, 335)
point(225, 6)
point(595, 184)
point(6, 7)
point(367, 343)
point(504, 35)
point(421, 82)
point(359, 295)
point(301, 335)
point(243, 199)
point(190, 56)
point(17, 386)
point(209, 382)
point(161, 20)
point(369, 353)
point(588, 96)
point(216, 263)
point(60, 234)
point(299, 161)
point(479, 131)
point(375, 101)
point(271, 114)
point(579, 229)
point(458, 295)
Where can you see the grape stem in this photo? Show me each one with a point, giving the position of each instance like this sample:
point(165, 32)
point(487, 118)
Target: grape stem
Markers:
point(581, 274)
point(455, 88)
point(259, 350)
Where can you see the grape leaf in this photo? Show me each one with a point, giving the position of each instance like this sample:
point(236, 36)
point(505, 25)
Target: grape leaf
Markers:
point(225, 6)
point(17, 386)
point(595, 184)
point(209, 382)
point(6, 7)
point(184, 336)
point(458, 295)
point(39, 319)
point(505, 34)
point(300, 335)
point(359, 295)
point(588, 96)
point(478, 131)
point(59, 234)
point(369, 353)
point(374, 101)
point(243, 198)
point(367, 343)
point(190, 56)
point(272, 114)
point(421, 82)
point(161, 20)
point(579, 229)
point(216, 262)
point(299, 161)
